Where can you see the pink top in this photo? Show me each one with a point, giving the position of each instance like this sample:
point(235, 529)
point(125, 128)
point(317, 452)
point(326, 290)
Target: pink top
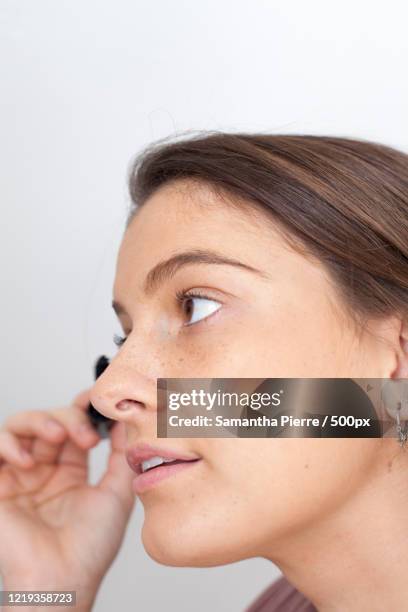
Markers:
point(281, 596)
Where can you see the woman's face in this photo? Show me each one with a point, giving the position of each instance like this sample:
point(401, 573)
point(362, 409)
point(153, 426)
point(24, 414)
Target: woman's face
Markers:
point(245, 497)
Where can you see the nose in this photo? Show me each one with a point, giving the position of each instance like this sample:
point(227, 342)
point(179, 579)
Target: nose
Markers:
point(123, 393)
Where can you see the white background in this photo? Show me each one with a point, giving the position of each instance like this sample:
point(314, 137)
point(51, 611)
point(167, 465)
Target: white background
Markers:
point(85, 84)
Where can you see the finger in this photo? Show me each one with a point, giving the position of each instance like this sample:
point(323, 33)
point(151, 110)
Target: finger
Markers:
point(67, 453)
point(54, 426)
point(46, 452)
point(81, 437)
point(38, 451)
point(118, 476)
point(12, 452)
point(82, 399)
point(38, 433)
point(35, 423)
point(78, 425)
point(81, 405)
point(45, 423)
point(72, 454)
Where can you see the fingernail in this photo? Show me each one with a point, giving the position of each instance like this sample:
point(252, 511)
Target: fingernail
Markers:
point(54, 426)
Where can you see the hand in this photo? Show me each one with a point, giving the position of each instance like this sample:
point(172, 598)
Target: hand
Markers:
point(57, 531)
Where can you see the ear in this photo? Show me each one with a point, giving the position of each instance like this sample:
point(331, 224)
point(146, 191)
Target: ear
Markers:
point(402, 368)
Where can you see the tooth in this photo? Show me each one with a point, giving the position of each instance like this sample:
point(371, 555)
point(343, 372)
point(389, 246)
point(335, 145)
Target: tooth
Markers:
point(152, 462)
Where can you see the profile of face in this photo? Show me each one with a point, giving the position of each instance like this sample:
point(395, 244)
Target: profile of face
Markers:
point(273, 314)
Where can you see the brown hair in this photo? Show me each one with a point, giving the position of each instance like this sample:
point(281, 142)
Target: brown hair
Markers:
point(344, 200)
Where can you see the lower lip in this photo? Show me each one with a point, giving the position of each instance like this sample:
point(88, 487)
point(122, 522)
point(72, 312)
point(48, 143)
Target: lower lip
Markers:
point(149, 479)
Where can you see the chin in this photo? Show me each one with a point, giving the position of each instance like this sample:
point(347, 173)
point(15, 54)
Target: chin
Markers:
point(180, 548)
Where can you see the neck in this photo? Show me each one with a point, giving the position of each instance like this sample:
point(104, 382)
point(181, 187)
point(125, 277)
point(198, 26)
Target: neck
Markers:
point(356, 558)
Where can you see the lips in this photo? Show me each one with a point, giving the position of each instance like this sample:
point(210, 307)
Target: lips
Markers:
point(154, 475)
point(143, 452)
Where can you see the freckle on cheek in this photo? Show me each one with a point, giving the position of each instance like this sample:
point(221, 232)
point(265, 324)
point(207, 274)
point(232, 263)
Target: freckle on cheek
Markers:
point(306, 465)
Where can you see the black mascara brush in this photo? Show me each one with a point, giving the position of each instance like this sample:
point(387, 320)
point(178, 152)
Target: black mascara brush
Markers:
point(99, 421)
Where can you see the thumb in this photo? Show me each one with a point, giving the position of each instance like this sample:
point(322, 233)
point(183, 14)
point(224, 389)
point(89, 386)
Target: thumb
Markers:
point(118, 476)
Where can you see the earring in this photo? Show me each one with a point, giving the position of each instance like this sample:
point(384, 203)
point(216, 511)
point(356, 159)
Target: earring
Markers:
point(394, 394)
point(402, 431)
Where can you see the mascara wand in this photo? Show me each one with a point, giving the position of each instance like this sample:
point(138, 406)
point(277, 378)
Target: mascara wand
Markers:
point(99, 421)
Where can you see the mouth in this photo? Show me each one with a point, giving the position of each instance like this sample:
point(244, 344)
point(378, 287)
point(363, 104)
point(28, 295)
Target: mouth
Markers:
point(152, 476)
point(152, 465)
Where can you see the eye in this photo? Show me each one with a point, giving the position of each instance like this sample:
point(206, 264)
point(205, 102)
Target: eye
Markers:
point(196, 305)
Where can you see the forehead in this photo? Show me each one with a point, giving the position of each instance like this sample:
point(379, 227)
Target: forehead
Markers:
point(187, 215)
point(186, 207)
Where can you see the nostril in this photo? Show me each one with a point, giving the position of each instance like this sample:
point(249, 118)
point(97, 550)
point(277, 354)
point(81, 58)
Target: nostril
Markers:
point(128, 404)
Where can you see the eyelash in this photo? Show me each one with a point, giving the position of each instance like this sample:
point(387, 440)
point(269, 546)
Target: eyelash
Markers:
point(181, 295)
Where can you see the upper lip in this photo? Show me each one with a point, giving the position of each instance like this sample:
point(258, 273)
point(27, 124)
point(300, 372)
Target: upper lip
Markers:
point(143, 451)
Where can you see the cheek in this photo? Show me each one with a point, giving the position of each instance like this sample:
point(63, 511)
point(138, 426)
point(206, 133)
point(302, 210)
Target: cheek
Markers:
point(270, 350)
point(253, 494)
point(271, 340)
point(291, 483)
point(294, 346)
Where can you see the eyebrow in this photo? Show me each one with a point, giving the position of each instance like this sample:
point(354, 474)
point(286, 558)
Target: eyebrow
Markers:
point(166, 269)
